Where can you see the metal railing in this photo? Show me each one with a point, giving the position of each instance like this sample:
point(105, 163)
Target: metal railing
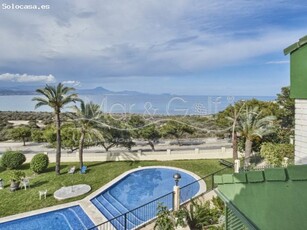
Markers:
point(148, 211)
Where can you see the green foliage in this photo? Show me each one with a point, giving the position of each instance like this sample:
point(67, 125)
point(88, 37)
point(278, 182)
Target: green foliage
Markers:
point(16, 175)
point(267, 109)
point(165, 220)
point(147, 132)
point(202, 214)
point(37, 135)
point(176, 129)
point(50, 135)
point(12, 159)
point(5, 126)
point(198, 215)
point(274, 153)
point(39, 163)
point(150, 133)
point(22, 133)
point(287, 108)
point(252, 125)
point(24, 115)
point(114, 133)
point(70, 137)
point(168, 220)
point(136, 123)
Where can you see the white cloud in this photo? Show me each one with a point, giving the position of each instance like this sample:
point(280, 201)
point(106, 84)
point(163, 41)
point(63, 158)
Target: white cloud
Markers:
point(74, 83)
point(23, 78)
point(277, 62)
point(98, 39)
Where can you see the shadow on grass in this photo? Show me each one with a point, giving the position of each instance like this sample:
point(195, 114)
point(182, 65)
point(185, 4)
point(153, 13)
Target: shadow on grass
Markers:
point(52, 169)
point(38, 183)
point(24, 166)
point(131, 163)
point(98, 163)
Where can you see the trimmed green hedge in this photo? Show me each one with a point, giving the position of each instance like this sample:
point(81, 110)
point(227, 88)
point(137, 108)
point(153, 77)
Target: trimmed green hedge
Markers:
point(39, 163)
point(12, 159)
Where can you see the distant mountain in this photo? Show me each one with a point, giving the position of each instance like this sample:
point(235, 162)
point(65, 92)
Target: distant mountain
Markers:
point(16, 91)
point(25, 90)
point(130, 92)
point(97, 90)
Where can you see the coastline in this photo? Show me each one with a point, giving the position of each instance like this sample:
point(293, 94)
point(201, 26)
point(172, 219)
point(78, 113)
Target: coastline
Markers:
point(149, 105)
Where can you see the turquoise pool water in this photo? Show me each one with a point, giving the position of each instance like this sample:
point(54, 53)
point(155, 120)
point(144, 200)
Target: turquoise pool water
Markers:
point(72, 218)
point(139, 188)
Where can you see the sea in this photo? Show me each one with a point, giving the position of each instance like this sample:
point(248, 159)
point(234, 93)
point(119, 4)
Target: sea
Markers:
point(144, 104)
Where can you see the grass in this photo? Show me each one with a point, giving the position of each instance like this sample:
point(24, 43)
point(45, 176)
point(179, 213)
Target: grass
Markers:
point(98, 174)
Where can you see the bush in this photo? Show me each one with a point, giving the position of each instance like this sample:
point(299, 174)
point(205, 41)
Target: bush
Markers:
point(16, 175)
point(12, 159)
point(274, 153)
point(37, 135)
point(39, 163)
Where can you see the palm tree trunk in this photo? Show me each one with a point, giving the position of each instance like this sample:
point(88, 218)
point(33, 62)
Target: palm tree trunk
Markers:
point(58, 144)
point(81, 146)
point(248, 151)
point(151, 145)
point(234, 145)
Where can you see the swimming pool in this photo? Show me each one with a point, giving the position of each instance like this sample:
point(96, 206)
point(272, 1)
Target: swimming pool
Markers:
point(138, 188)
point(68, 218)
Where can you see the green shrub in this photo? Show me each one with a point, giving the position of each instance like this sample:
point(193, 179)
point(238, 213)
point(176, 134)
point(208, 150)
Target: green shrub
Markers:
point(274, 153)
point(37, 135)
point(12, 159)
point(39, 163)
point(16, 175)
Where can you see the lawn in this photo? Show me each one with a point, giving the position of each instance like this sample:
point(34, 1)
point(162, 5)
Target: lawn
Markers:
point(98, 174)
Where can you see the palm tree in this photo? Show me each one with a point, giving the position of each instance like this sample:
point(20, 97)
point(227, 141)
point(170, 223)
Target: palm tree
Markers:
point(234, 136)
point(86, 119)
point(56, 97)
point(252, 125)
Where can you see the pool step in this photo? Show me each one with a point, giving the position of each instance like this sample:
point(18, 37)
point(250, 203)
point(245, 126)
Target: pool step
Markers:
point(78, 217)
point(109, 196)
point(105, 207)
point(110, 208)
point(116, 223)
point(75, 218)
point(135, 219)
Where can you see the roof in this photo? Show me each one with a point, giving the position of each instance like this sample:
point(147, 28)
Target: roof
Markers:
point(270, 199)
point(302, 41)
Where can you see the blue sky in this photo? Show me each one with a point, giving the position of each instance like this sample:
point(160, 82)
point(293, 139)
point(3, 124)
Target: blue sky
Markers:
point(174, 46)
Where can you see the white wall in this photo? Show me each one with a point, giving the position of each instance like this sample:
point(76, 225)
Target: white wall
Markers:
point(300, 131)
point(143, 156)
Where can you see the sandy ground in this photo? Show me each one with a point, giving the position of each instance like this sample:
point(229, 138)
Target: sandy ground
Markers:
point(23, 122)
